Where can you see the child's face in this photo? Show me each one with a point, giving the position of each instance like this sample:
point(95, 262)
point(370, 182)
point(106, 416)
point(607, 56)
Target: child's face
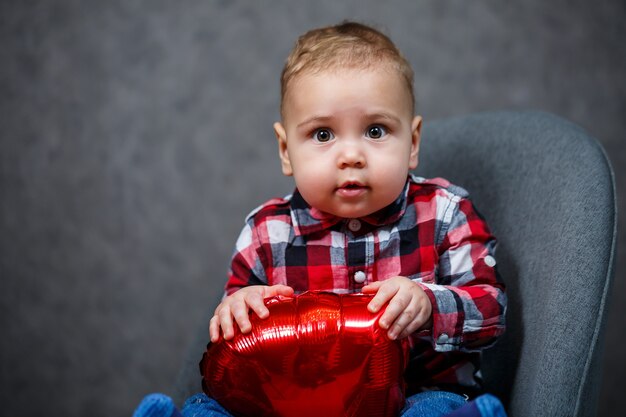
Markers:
point(349, 139)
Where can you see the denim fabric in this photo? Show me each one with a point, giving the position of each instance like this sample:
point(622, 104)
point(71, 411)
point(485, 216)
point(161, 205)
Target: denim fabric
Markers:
point(200, 405)
point(484, 406)
point(489, 406)
point(156, 405)
point(425, 404)
point(432, 404)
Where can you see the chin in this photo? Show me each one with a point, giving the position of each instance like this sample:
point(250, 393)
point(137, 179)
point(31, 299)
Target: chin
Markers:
point(352, 213)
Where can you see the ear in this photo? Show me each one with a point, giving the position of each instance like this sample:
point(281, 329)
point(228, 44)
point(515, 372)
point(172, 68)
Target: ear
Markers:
point(416, 132)
point(281, 136)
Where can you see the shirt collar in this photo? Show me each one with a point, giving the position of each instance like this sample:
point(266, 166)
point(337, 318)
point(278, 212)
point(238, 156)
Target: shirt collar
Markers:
point(307, 219)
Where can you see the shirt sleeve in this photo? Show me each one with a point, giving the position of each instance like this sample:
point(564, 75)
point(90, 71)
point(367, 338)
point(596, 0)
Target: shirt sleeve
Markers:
point(246, 267)
point(468, 298)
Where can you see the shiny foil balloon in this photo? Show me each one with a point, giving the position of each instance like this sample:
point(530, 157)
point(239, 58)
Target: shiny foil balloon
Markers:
point(317, 354)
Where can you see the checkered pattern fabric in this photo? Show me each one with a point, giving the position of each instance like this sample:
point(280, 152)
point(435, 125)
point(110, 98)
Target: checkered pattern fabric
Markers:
point(431, 234)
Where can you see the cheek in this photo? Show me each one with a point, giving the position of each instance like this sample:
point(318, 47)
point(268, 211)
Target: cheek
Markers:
point(391, 167)
point(390, 175)
point(311, 184)
point(310, 169)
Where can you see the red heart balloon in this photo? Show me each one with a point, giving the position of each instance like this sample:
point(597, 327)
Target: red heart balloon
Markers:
point(317, 353)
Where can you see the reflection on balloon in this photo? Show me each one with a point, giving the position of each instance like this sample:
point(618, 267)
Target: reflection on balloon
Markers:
point(317, 354)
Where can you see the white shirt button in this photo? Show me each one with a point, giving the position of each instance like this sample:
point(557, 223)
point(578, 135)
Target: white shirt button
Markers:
point(354, 225)
point(490, 261)
point(359, 277)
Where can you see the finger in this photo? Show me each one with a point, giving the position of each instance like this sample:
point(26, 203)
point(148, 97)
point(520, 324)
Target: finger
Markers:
point(214, 329)
point(239, 310)
point(256, 303)
point(405, 320)
point(226, 323)
point(397, 305)
point(422, 319)
point(371, 288)
point(414, 326)
point(382, 297)
point(284, 290)
point(217, 309)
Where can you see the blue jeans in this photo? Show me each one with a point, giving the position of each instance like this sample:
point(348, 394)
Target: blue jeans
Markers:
point(424, 404)
point(432, 404)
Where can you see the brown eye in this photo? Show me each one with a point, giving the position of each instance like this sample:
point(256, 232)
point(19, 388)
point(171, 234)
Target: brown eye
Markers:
point(376, 132)
point(322, 135)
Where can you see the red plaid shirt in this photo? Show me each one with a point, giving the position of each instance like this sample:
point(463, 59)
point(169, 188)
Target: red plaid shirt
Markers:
point(431, 234)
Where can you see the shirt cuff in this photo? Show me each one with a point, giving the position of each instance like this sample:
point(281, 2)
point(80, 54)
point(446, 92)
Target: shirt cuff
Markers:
point(446, 332)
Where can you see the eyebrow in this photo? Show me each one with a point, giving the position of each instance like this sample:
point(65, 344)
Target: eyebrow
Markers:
point(369, 116)
point(314, 120)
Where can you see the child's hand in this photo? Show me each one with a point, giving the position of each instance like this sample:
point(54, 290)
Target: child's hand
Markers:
point(238, 305)
point(409, 307)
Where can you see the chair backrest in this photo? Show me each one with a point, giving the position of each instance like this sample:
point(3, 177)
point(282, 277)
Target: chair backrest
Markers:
point(547, 190)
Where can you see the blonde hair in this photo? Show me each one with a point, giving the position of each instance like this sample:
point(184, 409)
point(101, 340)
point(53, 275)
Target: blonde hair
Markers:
point(346, 45)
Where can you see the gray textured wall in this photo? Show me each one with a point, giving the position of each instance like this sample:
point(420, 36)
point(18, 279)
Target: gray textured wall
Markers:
point(135, 136)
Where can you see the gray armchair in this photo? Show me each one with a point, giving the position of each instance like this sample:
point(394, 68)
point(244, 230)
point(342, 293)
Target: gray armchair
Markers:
point(547, 190)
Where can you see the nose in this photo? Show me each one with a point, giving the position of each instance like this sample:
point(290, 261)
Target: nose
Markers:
point(351, 154)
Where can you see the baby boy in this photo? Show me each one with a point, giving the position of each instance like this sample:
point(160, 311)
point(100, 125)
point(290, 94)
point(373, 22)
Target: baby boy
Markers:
point(359, 221)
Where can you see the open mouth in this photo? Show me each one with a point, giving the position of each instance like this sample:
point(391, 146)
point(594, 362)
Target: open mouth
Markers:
point(352, 186)
point(351, 189)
